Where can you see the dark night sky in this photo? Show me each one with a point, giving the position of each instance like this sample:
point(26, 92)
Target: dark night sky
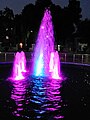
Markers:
point(18, 5)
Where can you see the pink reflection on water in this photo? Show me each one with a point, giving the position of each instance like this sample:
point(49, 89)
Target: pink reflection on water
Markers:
point(54, 97)
point(18, 95)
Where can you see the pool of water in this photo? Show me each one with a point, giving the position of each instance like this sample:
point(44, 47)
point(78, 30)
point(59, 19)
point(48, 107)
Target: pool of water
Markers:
point(46, 99)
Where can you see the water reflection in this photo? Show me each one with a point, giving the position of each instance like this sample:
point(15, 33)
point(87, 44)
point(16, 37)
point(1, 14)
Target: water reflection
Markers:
point(54, 97)
point(47, 99)
point(37, 98)
point(18, 94)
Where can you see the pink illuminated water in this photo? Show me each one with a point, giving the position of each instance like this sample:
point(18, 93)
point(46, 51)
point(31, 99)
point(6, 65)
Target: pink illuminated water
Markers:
point(46, 59)
point(19, 66)
point(18, 95)
point(54, 65)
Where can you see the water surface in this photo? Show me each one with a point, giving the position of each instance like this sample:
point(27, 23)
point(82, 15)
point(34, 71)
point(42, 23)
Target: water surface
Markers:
point(42, 98)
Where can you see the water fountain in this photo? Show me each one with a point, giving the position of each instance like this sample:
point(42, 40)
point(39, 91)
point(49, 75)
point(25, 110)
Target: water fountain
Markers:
point(36, 92)
point(19, 66)
point(46, 59)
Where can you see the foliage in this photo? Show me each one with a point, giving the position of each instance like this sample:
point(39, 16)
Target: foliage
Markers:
point(26, 24)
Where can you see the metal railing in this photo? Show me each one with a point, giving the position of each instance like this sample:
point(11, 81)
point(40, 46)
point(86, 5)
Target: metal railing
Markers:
point(76, 58)
point(64, 57)
point(9, 56)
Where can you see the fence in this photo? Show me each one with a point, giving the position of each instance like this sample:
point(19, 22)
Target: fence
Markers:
point(64, 57)
point(76, 58)
point(9, 56)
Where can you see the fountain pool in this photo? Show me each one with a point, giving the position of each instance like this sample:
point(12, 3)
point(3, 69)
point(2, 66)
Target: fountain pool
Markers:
point(44, 98)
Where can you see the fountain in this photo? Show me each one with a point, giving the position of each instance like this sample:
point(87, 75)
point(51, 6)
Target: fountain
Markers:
point(36, 92)
point(46, 59)
point(19, 66)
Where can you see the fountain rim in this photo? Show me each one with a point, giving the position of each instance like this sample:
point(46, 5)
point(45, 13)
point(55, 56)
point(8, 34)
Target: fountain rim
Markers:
point(68, 63)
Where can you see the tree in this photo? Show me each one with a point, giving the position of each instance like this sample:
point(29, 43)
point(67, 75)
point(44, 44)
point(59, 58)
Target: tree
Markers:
point(40, 6)
point(28, 16)
point(28, 19)
point(75, 11)
point(8, 13)
point(43, 3)
point(84, 31)
point(18, 28)
point(6, 26)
